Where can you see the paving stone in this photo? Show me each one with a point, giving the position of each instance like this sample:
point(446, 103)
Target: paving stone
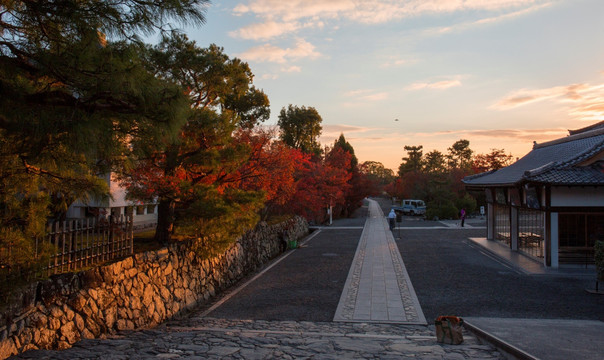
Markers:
point(223, 351)
point(356, 345)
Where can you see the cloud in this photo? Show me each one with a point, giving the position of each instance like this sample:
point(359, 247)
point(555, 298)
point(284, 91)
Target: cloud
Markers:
point(396, 62)
point(364, 95)
point(294, 9)
point(271, 53)
point(265, 30)
point(331, 132)
point(526, 96)
point(371, 143)
point(271, 29)
point(438, 85)
point(269, 77)
point(488, 20)
point(539, 135)
point(368, 11)
point(584, 101)
point(523, 137)
point(292, 68)
point(343, 129)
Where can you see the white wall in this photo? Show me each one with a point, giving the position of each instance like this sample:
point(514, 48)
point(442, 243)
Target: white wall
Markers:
point(118, 193)
point(577, 196)
point(118, 203)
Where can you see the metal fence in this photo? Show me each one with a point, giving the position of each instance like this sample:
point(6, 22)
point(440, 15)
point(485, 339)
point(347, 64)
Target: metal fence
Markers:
point(72, 245)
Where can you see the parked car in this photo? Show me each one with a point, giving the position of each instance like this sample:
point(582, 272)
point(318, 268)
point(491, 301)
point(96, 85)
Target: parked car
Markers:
point(413, 207)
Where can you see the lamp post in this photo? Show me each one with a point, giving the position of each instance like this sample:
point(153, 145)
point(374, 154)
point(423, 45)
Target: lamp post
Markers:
point(330, 209)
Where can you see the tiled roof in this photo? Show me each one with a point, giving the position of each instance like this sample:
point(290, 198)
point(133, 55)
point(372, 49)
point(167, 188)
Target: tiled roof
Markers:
point(587, 128)
point(554, 162)
point(573, 176)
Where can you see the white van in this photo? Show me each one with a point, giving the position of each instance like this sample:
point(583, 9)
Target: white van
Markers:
point(413, 207)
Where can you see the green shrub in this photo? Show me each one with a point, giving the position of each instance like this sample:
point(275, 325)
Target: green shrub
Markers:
point(21, 261)
point(444, 210)
point(467, 202)
point(218, 219)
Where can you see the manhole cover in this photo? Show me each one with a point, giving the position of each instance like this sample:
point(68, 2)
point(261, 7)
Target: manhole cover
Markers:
point(330, 254)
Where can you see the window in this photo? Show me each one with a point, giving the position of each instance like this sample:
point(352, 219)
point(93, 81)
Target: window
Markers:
point(530, 232)
point(502, 224)
point(500, 196)
point(580, 229)
point(571, 230)
point(577, 235)
point(532, 198)
point(489, 195)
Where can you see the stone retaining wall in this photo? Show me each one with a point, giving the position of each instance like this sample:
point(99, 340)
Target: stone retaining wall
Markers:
point(139, 291)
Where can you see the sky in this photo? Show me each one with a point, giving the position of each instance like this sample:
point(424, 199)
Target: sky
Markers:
point(499, 73)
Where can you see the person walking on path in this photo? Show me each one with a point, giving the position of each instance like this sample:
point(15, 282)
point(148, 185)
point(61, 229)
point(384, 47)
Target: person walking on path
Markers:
point(462, 216)
point(391, 219)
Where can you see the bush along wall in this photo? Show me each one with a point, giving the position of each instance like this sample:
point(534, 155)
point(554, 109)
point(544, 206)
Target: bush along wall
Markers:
point(142, 290)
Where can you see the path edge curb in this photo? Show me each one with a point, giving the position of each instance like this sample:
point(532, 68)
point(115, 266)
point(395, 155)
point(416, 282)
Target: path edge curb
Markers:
point(499, 343)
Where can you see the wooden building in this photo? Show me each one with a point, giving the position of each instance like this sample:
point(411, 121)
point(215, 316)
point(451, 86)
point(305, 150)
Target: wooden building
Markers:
point(549, 204)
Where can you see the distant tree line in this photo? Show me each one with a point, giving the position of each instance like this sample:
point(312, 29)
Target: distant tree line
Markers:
point(436, 177)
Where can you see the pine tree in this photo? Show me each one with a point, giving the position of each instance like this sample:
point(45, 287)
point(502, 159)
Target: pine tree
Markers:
point(74, 93)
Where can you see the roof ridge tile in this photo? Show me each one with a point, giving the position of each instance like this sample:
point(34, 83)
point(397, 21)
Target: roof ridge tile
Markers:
point(578, 136)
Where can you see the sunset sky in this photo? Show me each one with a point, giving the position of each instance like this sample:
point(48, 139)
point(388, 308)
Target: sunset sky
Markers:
point(499, 73)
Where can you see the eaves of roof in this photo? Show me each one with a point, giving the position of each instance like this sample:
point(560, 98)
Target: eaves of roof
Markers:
point(552, 162)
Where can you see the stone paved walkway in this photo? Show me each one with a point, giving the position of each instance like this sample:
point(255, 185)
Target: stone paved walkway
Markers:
point(378, 317)
point(208, 338)
point(378, 288)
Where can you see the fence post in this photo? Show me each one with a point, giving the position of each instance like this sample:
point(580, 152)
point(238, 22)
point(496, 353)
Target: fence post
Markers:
point(63, 240)
point(111, 237)
point(123, 234)
point(73, 245)
point(131, 233)
point(56, 246)
point(105, 238)
point(87, 255)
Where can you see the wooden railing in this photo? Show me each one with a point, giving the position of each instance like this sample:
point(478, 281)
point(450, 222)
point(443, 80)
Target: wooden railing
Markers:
point(69, 246)
point(86, 242)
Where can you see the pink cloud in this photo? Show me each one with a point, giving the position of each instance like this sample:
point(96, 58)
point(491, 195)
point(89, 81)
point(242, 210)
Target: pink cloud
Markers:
point(370, 11)
point(438, 85)
point(583, 101)
point(265, 30)
point(271, 53)
point(366, 95)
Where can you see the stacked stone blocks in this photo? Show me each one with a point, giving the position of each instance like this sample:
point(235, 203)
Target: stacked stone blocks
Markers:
point(139, 291)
